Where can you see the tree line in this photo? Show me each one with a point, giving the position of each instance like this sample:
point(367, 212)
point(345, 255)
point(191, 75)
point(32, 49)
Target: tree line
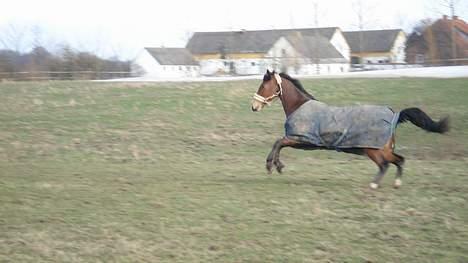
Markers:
point(66, 63)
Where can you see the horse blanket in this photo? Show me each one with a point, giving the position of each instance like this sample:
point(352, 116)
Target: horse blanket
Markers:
point(337, 128)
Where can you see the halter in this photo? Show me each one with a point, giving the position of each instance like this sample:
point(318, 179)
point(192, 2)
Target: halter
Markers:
point(270, 99)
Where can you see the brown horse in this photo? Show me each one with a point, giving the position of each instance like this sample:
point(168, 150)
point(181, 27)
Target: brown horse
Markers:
point(293, 96)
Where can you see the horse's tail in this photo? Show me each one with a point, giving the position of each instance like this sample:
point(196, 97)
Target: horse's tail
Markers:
point(423, 121)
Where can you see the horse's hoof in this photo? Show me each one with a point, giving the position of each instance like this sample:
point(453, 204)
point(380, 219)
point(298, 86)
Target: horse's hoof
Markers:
point(397, 183)
point(374, 186)
point(279, 167)
point(269, 167)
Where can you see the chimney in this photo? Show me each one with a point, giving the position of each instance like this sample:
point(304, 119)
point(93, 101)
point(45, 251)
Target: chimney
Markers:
point(445, 17)
point(455, 17)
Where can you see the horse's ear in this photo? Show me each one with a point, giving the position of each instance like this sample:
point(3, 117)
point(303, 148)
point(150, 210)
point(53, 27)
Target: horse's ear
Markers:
point(267, 76)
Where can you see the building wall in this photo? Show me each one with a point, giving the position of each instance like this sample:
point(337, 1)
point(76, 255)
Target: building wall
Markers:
point(374, 57)
point(152, 68)
point(322, 69)
point(281, 57)
point(234, 66)
point(398, 50)
point(149, 65)
point(339, 42)
point(395, 55)
point(213, 66)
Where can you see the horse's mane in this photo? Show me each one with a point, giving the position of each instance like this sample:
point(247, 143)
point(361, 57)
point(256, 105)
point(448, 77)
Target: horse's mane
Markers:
point(298, 85)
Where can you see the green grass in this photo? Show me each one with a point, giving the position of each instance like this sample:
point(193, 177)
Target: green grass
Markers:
point(174, 172)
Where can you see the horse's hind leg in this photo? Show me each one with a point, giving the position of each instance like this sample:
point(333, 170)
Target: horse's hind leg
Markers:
point(378, 157)
point(398, 161)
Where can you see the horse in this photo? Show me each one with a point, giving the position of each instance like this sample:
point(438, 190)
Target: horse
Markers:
point(294, 97)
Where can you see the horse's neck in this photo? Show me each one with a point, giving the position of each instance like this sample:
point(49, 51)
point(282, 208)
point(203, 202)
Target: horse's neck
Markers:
point(291, 98)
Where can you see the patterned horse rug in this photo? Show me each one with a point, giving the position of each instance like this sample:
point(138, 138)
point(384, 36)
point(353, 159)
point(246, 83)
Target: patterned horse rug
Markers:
point(341, 127)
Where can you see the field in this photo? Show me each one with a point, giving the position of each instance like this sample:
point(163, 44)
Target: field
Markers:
point(174, 172)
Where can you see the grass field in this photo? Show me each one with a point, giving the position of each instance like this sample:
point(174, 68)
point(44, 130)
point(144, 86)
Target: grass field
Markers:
point(174, 172)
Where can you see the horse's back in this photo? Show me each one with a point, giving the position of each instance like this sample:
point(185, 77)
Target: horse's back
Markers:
point(365, 126)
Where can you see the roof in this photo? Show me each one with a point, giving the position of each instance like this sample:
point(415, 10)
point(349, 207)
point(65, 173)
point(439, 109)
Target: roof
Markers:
point(372, 41)
point(314, 47)
point(172, 56)
point(457, 22)
point(258, 41)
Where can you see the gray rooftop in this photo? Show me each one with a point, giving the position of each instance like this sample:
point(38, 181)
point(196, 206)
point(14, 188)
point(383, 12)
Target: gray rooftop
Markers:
point(314, 47)
point(371, 41)
point(259, 41)
point(172, 56)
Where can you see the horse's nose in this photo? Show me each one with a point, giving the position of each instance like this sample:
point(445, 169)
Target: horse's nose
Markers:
point(254, 109)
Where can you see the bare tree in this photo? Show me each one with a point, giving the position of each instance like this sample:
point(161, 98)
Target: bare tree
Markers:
point(316, 47)
point(37, 36)
point(13, 37)
point(363, 20)
point(448, 7)
point(452, 6)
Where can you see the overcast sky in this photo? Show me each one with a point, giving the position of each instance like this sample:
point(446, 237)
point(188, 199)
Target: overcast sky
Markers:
point(124, 27)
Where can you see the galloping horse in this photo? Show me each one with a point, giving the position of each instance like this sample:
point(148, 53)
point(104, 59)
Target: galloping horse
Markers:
point(363, 130)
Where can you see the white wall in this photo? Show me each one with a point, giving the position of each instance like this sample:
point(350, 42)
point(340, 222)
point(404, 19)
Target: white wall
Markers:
point(252, 66)
point(323, 69)
point(376, 59)
point(339, 42)
point(147, 63)
point(398, 49)
point(240, 66)
point(282, 55)
point(397, 53)
point(214, 66)
point(153, 69)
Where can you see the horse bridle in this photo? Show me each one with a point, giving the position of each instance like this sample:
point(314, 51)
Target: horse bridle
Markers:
point(270, 99)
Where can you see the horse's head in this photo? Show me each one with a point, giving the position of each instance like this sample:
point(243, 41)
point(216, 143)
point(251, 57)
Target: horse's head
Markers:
point(269, 90)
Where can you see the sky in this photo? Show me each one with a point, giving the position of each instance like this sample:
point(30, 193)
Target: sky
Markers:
point(123, 28)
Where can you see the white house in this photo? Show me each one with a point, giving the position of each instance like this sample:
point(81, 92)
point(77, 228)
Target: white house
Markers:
point(167, 63)
point(299, 51)
point(309, 55)
point(377, 49)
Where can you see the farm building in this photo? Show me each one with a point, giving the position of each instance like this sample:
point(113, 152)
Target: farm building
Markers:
point(433, 43)
point(297, 51)
point(376, 49)
point(167, 63)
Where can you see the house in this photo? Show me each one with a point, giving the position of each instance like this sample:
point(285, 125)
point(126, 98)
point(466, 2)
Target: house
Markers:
point(375, 48)
point(300, 51)
point(433, 44)
point(167, 63)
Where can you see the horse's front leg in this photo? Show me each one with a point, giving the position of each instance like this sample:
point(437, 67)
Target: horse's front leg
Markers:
point(274, 156)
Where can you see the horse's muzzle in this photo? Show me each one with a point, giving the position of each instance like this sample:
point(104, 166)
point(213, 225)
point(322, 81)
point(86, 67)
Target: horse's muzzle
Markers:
point(256, 106)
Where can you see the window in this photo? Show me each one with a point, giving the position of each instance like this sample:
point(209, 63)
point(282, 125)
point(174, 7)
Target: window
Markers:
point(419, 58)
point(252, 63)
point(355, 60)
point(283, 52)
